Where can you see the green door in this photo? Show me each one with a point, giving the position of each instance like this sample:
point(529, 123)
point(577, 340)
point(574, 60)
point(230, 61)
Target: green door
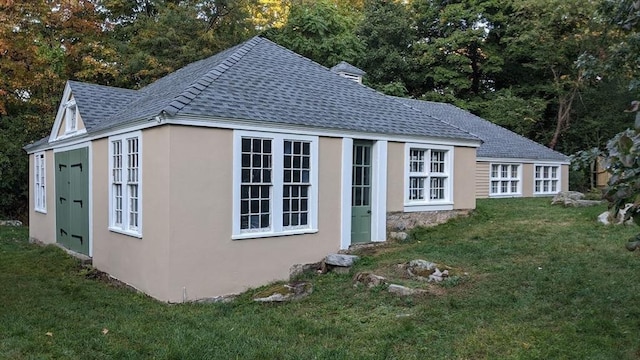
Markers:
point(361, 193)
point(72, 199)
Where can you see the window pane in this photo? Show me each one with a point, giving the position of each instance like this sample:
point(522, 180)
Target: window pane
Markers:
point(255, 190)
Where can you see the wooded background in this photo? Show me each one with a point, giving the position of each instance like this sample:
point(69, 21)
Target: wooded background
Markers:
point(560, 72)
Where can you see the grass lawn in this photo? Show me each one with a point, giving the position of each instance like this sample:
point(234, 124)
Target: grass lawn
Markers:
point(543, 283)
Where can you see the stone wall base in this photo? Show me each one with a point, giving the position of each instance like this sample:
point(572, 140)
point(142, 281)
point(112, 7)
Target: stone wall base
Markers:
point(401, 222)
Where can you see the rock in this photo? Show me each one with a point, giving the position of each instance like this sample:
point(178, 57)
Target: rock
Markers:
point(340, 260)
point(420, 269)
point(563, 196)
point(607, 217)
point(604, 218)
point(369, 279)
point(299, 269)
point(284, 292)
point(573, 199)
point(10, 223)
point(398, 236)
point(438, 275)
point(403, 290)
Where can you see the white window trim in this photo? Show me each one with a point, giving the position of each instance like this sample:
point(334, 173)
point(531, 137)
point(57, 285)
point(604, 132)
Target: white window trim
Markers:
point(427, 204)
point(558, 178)
point(40, 167)
point(518, 193)
point(125, 196)
point(69, 119)
point(277, 151)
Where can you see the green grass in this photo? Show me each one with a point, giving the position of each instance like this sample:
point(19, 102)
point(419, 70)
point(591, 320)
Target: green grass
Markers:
point(542, 282)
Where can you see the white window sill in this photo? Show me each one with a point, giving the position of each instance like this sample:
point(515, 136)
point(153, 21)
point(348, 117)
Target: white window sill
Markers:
point(505, 195)
point(545, 193)
point(126, 232)
point(41, 211)
point(257, 235)
point(440, 206)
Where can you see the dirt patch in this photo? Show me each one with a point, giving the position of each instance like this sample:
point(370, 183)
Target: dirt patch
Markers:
point(91, 273)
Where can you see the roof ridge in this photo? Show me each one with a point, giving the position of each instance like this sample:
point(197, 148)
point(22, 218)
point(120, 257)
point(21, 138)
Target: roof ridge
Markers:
point(198, 86)
point(83, 83)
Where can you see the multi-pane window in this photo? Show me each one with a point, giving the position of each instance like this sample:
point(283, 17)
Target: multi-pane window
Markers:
point(133, 178)
point(71, 121)
point(116, 182)
point(277, 190)
point(256, 186)
point(297, 181)
point(428, 175)
point(40, 193)
point(125, 184)
point(547, 179)
point(505, 179)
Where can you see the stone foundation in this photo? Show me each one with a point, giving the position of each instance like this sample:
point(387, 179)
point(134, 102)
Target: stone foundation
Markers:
point(401, 222)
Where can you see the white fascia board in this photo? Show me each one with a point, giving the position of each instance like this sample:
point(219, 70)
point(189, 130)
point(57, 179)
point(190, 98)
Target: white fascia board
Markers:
point(60, 114)
point(72, 141)
point(521, 161)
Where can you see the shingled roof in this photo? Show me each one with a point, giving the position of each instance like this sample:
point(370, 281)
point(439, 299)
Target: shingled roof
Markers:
point(498, 142)
point(259, 81)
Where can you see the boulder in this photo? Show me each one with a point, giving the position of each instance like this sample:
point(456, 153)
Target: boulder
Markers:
point(573, 199)
point(607, 217)
point(10, 223)
point(403, 290)
point(369, 279)
point(604, 218)
point(398, 236)
point(340, 260)
point(420, 269)
point(299, 269)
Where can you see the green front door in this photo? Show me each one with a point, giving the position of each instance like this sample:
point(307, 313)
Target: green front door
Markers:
point(361, 193)
point(72, 199)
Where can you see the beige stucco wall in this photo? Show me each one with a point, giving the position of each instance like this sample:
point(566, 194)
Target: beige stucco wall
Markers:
point(42, 227)
point(395, 176)
point(204, 260)
point(482, 179)
point(564, 179)
point(142, 263)
point(527, 180)
point(464, 178)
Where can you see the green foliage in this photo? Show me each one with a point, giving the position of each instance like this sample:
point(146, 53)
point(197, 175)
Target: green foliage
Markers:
point(388, 35)
point(321, 31)
point(623, 163)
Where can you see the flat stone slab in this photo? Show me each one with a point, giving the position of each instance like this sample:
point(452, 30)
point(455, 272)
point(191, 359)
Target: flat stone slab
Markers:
point(403, 290)
point(340, 260)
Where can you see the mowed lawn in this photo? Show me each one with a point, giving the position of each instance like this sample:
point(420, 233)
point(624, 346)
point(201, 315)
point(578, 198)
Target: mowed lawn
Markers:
point(541, 282)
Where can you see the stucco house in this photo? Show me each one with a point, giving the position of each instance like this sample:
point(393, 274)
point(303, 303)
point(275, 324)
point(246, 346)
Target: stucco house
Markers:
point(508, 165)
point(225, 173)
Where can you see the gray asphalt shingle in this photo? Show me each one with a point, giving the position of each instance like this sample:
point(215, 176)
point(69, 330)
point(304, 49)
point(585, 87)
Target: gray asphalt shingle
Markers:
point(498, 142)
point(261, 81)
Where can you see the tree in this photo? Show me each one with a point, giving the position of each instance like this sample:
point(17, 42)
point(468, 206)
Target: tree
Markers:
point(545, 38)
point(453, 47)
point(320, 30)
point(157, 37)
point(388, 34)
